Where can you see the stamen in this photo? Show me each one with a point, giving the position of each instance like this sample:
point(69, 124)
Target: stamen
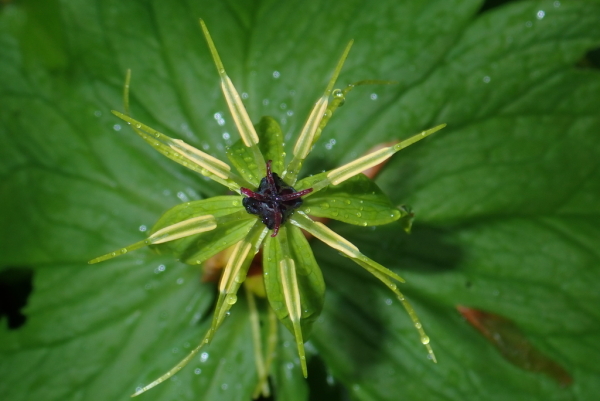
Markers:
point(274, 201)
point(295, 195)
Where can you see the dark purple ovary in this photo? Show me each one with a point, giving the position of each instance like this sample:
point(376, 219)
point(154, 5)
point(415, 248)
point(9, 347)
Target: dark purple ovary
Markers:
point(274, 201)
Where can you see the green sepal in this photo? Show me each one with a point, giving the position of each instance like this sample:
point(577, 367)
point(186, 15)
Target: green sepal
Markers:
point(271, 142)
point(357, 200)
point(271, 146)
point(233, 223)
point(309, 277)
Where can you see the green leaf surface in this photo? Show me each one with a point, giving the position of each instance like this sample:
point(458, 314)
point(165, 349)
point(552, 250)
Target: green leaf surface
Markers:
point(505, 197)
point(357, 200)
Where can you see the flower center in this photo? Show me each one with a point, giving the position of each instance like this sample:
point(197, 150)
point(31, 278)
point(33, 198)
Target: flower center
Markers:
point(274, 201)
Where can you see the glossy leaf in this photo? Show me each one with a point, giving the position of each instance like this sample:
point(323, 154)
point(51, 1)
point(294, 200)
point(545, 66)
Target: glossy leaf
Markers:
point(505, 197)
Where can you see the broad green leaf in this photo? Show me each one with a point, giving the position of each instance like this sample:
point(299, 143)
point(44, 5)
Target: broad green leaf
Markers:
point(356, 201)
point(505, 197)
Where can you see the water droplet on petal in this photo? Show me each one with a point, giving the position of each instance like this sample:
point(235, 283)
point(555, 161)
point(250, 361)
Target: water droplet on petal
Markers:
point(231, 299)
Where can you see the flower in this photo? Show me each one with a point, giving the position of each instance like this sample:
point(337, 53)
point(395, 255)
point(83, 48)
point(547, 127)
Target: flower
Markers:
point(271, 200)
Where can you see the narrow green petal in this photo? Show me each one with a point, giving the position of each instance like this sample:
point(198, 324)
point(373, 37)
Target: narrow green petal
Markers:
point(361, 164)
point(179, 230)
point(339, 243)
point(185, 228)
point(311, 132)
point(385, 275)
point(339, 98)
point(184, 154)
point(234, 101)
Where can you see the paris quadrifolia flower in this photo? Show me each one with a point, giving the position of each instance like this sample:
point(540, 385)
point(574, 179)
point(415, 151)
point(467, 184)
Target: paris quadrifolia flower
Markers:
point(271, 209)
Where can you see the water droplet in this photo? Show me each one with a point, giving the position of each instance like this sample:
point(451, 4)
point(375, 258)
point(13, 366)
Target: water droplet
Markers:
point(334, 213)
point(325, 205)
point(347, 201)
point(425, 340)
point(307, 210)
point(224, 386)
point(231, 299)
point(540, 14)
point(276, 74)
point(235, 203)
point(204, 357)
point(358, 214)
point(337, 93)
point(364, 223)
point(392, 286)
point(197, 371)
